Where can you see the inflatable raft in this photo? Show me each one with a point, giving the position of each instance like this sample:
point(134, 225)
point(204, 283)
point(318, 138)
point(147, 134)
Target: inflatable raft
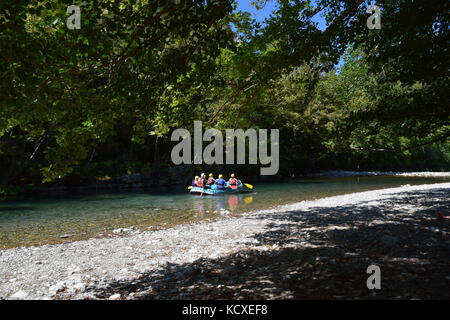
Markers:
point(213, 190)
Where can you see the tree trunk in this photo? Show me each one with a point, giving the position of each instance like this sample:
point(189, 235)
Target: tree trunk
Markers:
point(156, 157)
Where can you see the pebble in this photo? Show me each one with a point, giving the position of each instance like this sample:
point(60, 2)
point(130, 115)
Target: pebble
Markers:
point(80, 287)
point(54, 289)
point(20, 295)
point(115, 297)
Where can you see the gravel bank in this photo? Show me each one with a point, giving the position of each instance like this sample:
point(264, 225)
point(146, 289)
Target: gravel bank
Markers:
point(344, 173)
point(310, 249)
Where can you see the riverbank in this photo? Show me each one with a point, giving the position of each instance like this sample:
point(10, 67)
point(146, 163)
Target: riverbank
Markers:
point(346, 173)
point(311, 249)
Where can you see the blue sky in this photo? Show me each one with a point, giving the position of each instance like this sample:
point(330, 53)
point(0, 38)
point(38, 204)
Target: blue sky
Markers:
point(260, 15)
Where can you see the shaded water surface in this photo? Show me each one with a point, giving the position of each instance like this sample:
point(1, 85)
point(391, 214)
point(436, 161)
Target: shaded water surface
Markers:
point(52, 219)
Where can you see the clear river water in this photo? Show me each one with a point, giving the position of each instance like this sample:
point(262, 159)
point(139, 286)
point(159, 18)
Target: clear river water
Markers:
point(36, 220)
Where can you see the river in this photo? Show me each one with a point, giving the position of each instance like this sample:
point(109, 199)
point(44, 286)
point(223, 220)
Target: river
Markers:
point(37, 220)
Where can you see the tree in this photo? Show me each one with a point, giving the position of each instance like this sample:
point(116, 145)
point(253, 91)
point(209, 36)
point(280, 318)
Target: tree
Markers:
point(64, 91)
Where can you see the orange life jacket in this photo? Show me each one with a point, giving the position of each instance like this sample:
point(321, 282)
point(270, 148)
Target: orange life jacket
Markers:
point(233, 181)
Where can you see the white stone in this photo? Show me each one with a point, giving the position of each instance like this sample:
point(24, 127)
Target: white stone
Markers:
point(20, 295)
point(54, 289)
point(80, 287)
point(73, 279)
point(115, 297)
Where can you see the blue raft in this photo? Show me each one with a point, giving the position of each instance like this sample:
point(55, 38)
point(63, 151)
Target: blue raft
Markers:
point(241, 188)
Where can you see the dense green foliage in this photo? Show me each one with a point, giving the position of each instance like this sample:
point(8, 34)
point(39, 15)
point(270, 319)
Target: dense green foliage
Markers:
point(102, 100)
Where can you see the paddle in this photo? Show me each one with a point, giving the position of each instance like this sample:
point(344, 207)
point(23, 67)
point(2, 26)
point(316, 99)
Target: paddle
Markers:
point(248, 185)
point(190, 187)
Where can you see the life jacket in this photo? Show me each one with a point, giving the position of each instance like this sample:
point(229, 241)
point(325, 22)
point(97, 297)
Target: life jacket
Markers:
point(211, 181)
point(233, 181)
point(220, 183)
point(200, 183)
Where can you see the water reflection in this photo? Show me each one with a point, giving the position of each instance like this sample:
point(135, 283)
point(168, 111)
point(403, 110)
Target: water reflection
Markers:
point(220, 204)
point(235, 200)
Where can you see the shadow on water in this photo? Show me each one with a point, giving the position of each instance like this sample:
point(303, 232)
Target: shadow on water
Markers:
point(19, 209)
point(308, 182)
point(91, 196)
point(322, 253)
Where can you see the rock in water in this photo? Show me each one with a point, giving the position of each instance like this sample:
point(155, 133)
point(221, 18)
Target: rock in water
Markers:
point(124, 230)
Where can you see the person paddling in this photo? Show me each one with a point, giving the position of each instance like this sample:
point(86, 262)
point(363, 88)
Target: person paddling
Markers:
point(220, 182)
point(233, 181)
point(195, 181)
point(211, 180)
point(204, 182)
point(200, 182)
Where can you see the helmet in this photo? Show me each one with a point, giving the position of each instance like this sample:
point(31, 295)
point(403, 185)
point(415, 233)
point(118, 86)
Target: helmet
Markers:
point(211, 175)
point(232, 175)
point(202, 175)
point(220, 176)
point(197, 177)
